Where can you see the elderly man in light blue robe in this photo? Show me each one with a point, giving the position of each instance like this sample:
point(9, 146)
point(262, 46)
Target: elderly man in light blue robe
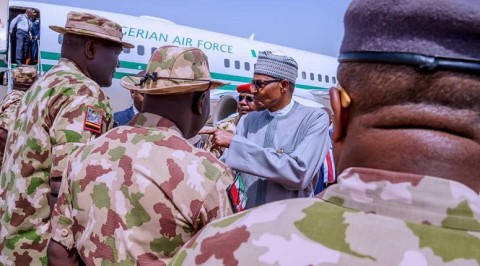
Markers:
point(278, 150)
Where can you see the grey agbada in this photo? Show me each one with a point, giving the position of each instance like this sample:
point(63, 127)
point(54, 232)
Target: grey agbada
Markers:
point(275, 155)
point(272, 151)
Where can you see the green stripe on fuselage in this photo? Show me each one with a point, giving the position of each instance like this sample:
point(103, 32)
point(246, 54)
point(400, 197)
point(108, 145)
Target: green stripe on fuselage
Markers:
point(49, 55)
point(139, 66)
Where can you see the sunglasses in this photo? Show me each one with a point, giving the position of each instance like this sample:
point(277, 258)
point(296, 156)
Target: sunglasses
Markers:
point(260, 84)
point(248, 98)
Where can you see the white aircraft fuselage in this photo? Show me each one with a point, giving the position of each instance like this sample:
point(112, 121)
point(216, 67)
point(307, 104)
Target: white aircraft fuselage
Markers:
point(231, 58)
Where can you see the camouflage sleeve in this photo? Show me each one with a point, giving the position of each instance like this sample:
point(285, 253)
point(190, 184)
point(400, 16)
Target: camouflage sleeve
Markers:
point(8, 110)
point(215, 150)
point(216, 203)
point(227, 124)
point(8, 116)
point(61, 218)
point(79, 120)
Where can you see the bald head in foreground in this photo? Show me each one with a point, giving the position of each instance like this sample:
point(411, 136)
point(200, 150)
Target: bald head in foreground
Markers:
point(407, 145)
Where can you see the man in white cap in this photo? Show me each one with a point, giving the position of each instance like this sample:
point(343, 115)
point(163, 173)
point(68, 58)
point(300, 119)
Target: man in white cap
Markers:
point(272, 149)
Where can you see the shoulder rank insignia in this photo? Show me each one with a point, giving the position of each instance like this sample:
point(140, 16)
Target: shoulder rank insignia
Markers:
point(93, 119)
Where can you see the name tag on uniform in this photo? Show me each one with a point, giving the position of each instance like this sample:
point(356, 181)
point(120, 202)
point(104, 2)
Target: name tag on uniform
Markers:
point(93, 119)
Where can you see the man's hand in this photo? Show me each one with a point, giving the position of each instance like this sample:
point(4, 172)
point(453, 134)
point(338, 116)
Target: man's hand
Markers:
point(221, 138)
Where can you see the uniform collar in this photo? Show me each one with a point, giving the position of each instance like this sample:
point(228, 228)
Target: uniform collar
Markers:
point(414, 198)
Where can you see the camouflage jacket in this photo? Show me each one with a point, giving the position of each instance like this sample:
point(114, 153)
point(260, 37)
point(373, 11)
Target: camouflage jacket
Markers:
point(8, 106)
point(227, 124)
point(51, 123)
point(370, 217)
point(137, 193)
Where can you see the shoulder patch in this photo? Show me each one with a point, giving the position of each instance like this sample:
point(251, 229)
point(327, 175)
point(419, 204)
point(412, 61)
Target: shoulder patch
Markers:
point(93, 119)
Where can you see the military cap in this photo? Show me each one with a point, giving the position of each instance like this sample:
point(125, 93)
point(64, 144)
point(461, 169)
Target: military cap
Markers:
point(276, 65)
point(429, 34)
point(174, 70)
point(24, 76)
point(244, 88)
point(92, 25)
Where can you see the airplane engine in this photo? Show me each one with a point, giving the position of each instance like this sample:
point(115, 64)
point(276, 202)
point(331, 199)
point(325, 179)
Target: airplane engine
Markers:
point(225, 106)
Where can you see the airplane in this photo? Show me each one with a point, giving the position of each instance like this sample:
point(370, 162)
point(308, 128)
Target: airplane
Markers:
point(231, 58)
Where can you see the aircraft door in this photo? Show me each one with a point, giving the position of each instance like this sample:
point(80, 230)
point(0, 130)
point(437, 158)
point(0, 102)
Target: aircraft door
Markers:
point(23, 40)
point(226, 106)
point(4, 74)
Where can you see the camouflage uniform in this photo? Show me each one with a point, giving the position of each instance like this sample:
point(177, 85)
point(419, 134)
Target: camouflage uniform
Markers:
point(8, 106)
point(23, 78)
point(371, 217)
point(49, 126)
point(227, 124)
point(137, 193)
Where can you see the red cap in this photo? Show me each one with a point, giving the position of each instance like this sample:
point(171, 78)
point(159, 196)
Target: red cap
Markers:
point(244, 88)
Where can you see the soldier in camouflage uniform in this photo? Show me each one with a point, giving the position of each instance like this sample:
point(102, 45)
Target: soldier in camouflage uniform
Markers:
point(23, 77)
point(62, 111)
point(245, 105)
point(135, 195)
point(406, 142)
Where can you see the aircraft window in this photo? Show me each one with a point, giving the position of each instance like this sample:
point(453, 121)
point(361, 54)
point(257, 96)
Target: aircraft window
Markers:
point(226, 62)
point(247, 66)
point(319, 77)
point(126, 50)
point(152, 50)
point(334, 80)
point(304, 75)
point(327, 79)
point(237, 64)
point(60, 38)
point(140, 50)
point(312, 77)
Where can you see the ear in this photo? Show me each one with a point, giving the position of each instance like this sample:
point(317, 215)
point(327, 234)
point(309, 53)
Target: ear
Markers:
point(340, 113)
point(284, 86)
point(90, 49)
point(199, 100)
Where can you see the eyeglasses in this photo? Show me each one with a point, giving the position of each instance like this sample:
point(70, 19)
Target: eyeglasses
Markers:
point(248, 98)
point(260, 84)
